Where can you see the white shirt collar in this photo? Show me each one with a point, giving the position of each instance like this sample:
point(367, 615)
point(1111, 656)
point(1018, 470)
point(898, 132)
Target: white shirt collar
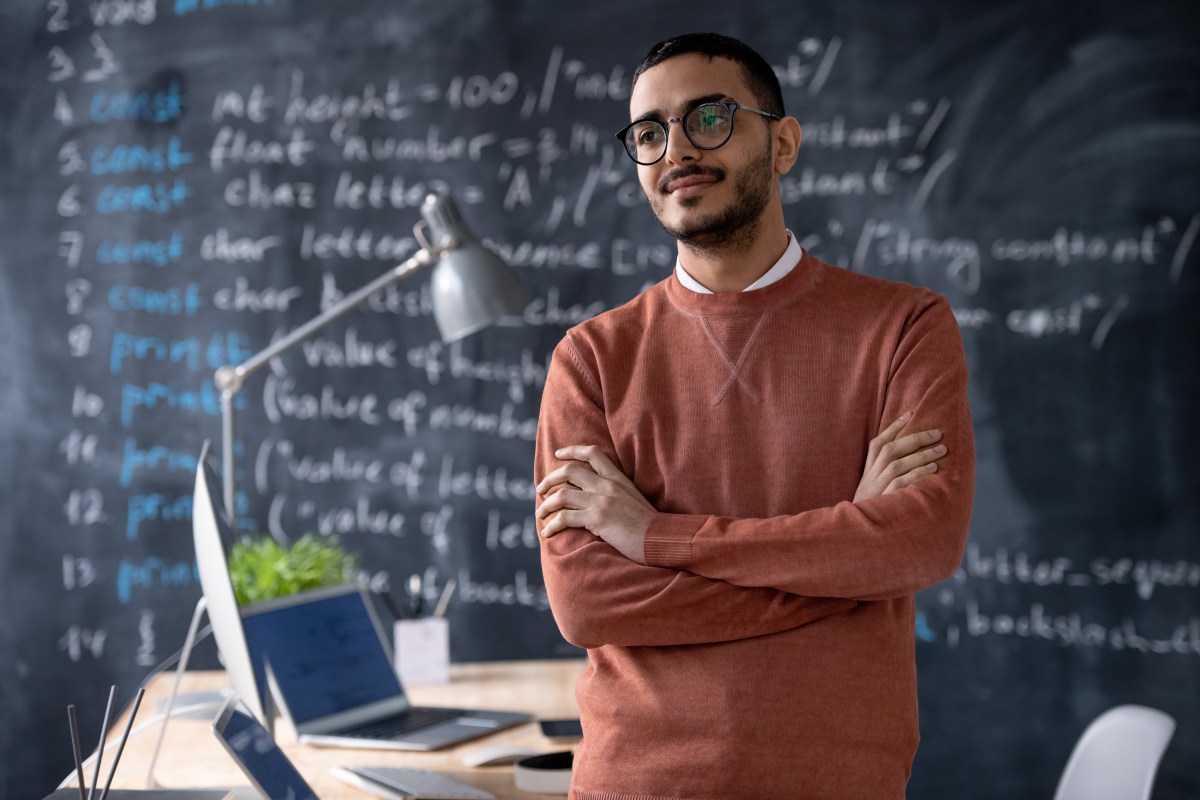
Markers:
point(791, 256)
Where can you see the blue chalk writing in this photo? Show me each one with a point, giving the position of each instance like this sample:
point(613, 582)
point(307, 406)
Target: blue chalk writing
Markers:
point(158, 458)
point(156, 508)
point(174, 301)
point(223, 348)
point(123, 158)
point(230, 348)
point(153, 572)
point(159, 252)
point(153, 197)
point(143, 348)
point(164, 105)
point(188, 6)
point(205, 400)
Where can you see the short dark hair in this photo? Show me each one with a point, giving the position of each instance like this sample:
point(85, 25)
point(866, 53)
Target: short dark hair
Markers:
point(759, 75)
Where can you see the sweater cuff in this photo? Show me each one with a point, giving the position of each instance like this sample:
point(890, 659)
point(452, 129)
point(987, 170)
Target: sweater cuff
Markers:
point(669, 539)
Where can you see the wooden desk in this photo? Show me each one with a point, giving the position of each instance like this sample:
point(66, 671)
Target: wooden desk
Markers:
point(192, 758)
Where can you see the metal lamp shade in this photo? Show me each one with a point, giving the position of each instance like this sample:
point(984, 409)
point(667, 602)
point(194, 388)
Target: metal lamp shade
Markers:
point(472, 286)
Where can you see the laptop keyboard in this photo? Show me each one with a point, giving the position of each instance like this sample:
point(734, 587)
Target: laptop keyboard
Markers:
point(414, 719)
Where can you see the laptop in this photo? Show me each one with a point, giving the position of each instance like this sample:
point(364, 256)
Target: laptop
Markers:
point(323, 655)
point(275, 777)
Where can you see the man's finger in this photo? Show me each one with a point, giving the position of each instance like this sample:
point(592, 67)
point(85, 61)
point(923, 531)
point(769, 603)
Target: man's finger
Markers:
point(593, 455)
point(574, 473)
point(889, 433)
point(564, 520)
point(907, 445)
point(909, 478)
point(902, 466)
point(551, 527)
point(886, 435)
point(564, 498)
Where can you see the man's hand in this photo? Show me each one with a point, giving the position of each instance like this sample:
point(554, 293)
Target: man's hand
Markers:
point(895, 463)
point(590, 492)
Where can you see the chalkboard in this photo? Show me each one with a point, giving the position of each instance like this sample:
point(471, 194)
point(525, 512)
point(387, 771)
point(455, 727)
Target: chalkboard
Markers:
point(184, 180)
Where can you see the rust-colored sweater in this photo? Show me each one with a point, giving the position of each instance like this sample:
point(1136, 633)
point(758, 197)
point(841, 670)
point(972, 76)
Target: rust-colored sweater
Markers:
point(766, 650)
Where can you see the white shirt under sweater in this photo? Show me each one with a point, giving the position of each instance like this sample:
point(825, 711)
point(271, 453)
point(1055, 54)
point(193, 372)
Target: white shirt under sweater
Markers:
point(790, 258)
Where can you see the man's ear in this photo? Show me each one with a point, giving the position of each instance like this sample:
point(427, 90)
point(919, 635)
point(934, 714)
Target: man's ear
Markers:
point(787, 144)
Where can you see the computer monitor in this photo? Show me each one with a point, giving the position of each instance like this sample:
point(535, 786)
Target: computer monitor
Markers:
point(213, 537)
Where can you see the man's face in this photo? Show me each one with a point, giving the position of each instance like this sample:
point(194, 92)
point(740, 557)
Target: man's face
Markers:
point(705, 198)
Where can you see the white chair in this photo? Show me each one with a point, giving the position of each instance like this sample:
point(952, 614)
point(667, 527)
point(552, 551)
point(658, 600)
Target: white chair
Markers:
point(1117, 756)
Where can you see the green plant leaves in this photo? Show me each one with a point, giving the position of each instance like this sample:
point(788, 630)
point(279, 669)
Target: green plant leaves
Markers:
point(262, 569)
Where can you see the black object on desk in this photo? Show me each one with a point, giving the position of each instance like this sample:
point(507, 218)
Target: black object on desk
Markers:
point(561, 729)
point(148, 794)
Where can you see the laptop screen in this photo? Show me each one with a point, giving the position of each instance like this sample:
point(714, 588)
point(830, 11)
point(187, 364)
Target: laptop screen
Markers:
point(264, 763)
point(324, 652)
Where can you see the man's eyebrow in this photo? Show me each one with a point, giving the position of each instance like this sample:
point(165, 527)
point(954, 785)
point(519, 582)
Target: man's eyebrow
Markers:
point(659, 115)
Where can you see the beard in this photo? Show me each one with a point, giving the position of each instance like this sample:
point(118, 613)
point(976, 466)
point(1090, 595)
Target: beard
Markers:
point(728, 228)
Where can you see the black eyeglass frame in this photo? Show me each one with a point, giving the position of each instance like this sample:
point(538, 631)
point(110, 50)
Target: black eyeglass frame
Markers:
point(730, 106)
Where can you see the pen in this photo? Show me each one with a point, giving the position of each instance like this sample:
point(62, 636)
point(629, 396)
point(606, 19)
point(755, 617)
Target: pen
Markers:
point(416, 600)
point(112, 693)
point(121, 747)
point(444, 600)
point(74, 723)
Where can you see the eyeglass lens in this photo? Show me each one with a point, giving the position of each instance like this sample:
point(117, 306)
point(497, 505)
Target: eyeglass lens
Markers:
point(707, 126)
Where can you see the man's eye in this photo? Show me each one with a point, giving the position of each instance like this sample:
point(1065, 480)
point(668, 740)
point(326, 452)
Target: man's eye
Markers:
point(710, 117)
point(648, 135)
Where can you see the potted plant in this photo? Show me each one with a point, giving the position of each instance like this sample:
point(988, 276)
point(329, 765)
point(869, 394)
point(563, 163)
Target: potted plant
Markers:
point(262, 569)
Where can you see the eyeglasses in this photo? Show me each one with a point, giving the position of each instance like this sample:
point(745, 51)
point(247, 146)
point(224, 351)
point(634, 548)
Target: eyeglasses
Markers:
point(707, 126)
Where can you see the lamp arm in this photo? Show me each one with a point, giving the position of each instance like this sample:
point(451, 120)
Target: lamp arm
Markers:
point(230, 379)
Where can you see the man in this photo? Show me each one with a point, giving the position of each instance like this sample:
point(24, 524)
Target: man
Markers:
point(741, 476)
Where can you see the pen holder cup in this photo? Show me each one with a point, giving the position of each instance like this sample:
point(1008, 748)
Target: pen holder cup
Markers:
point(422, 650)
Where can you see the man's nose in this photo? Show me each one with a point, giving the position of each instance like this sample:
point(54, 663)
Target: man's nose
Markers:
point(679, 146)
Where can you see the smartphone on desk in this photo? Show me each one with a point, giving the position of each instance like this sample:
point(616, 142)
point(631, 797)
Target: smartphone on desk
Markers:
point(561, 730)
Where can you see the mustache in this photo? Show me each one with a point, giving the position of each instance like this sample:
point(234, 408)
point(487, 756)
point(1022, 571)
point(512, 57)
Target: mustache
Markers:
point(716, 173)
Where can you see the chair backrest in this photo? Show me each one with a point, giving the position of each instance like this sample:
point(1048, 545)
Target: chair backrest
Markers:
point(1117, 756)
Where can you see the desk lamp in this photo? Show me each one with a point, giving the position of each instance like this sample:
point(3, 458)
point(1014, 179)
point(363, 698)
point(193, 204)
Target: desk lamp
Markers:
point(472, 288)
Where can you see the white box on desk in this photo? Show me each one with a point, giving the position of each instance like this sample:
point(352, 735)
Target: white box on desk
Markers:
point(422, 650)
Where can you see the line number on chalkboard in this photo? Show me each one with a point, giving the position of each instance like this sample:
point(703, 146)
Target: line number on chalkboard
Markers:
point(79, 339)
point(79, 640)
point(77, 291)
point(61, 65)
point(62, 109)
point(70, 246)
point(86, 404)
point(79, 447)
point(70, 158)
point(78, 573)
point(68, 202)
point(85, 507)
point(58, 16)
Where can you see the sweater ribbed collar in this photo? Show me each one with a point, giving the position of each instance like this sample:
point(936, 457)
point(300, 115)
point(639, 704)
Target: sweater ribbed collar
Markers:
point(787, 288)
point(791, 255)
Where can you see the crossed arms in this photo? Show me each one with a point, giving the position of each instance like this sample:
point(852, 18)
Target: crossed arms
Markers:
point(620, 572)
